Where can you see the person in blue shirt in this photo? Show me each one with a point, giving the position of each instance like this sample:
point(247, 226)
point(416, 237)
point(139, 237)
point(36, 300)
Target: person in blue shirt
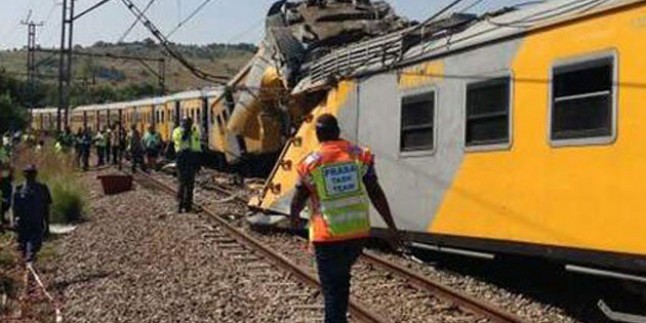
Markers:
point(31, 204)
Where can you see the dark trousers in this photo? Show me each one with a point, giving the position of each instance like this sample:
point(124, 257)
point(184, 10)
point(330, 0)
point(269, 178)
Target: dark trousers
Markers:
point(30, 240)
point(116, 155)
point(185, 191)
point(108, 153)
point(137, 159)
point(334, 261)
point(100, 153)
point(85, 157)
point(78, 151)
point(4, 208)
point(5, 202)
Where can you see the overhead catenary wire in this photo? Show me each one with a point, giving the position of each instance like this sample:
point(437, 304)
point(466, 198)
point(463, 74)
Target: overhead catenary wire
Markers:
point(187, 19)
point(436, 15)
point(473, 5)
point(134, 23)
point(566, 8)
point(167, 45)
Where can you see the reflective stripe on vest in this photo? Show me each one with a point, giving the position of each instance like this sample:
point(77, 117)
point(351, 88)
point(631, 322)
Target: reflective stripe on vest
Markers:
point(343, 199)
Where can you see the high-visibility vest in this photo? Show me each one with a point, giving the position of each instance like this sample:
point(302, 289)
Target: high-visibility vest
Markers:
point(339, 203)
point(192, 143)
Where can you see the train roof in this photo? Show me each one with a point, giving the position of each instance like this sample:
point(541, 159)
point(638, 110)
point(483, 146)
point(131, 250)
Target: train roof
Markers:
point(196, 94)
point(44, 110)
point(186, 95)
point(492, 26)
point(449, 34)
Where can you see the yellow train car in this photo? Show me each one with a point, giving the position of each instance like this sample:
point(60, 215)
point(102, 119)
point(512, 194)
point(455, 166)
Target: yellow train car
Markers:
point(519, 132)
point(44, 120)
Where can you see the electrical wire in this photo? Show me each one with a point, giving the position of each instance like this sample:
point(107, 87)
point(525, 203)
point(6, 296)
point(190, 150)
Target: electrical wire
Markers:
point(239, 36)
point(49, 13)
point(552, 13)
point(473, 5)
point(439, 13)
point(134, 23)
point(187, 19)
point(167, 45)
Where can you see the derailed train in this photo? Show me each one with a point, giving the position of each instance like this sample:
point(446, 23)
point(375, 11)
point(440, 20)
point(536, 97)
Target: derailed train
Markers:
point(513, 132)
point(516, 132)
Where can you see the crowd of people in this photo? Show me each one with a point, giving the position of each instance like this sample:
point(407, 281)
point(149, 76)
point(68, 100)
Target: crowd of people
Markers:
point(111, 145)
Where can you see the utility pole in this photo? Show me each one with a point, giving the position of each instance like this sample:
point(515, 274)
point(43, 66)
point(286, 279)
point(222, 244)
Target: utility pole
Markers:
point(65, 64)
point(31, 61)
point(65, 60)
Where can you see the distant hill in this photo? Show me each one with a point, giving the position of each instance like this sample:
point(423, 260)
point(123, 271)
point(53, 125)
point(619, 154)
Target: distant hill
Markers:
point(108, 79)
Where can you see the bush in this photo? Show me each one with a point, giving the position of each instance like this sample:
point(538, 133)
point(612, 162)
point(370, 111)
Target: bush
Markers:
point(68, 199)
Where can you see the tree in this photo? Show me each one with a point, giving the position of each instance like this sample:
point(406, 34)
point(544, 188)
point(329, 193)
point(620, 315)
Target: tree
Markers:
point(11, 116)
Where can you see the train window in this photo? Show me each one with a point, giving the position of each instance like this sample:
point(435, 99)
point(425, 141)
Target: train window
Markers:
point(487, 112)
point(583, 100)
point(417, 122)
point(198, 118)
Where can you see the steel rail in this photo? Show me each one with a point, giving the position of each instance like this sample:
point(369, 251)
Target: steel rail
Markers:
point(459, 298)
point(440, 290)
point(357, 309)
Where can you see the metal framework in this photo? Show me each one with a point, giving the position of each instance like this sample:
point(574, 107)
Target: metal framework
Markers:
point(65, 57)
point(31, 61)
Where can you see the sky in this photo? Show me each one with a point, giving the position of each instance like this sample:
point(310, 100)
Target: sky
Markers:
point(220, 21)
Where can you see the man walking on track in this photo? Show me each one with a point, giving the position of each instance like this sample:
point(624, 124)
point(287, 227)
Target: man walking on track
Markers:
point(187, 144)
point(31, 204)
point(338, 178)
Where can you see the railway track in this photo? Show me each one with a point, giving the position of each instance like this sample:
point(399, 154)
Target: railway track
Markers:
point(358, 310)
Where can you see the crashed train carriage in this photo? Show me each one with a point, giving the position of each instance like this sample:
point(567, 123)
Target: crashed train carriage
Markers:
point(515, 133)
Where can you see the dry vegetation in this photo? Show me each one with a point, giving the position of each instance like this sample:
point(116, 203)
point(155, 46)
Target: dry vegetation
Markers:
point(100, 75)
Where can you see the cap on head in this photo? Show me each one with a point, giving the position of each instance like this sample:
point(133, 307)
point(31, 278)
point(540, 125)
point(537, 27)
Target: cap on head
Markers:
point(327, 127)
point(30, 169)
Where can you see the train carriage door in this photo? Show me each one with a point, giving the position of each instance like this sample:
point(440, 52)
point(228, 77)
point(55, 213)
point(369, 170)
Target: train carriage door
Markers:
point(205, 121)
point(177, 113)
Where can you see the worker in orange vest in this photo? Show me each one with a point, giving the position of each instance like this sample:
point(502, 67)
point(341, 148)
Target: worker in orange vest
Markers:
point(340, 181)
